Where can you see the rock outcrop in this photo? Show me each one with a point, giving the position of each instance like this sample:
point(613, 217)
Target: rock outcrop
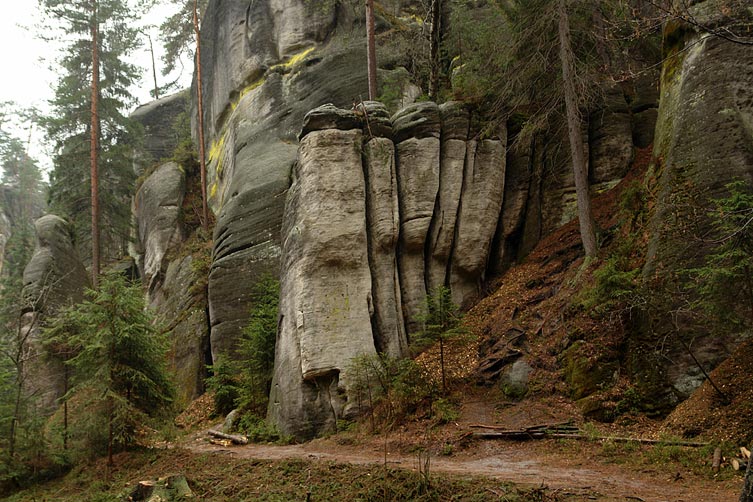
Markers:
point(162, 128)
point(157, 214)
point(703, 142)
point(326, 299)
point(350, 286)
point(54, 278)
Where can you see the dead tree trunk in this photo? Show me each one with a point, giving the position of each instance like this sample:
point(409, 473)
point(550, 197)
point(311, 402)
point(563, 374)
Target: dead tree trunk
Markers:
point(371, 49)
point(200, 104)
point(567, 60)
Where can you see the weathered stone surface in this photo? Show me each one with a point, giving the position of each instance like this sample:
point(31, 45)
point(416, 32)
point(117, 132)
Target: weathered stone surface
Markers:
point(180, 307)
point(512, 218)
point(267, 64)
point(610, 138)
point(383, 223)
point(455, 123)
point(417, 121)
point(329, 117)
point(157, 210)
point(161, 135)
point(376, 119)
point(418, 183)
point(481, 202)
point(705, 81)
point(326, 292)
point(54, 278)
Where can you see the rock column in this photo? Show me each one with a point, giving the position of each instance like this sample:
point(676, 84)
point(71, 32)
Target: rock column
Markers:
point(326, 291)
point(416, 132)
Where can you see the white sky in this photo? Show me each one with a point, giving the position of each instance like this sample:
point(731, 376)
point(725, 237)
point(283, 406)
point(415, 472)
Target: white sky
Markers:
point(27, 77)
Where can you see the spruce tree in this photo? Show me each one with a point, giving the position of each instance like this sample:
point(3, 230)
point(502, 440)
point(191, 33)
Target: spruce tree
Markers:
point(88, 127)
point(118, 359)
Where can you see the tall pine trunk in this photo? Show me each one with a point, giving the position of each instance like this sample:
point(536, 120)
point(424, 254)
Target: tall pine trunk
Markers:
point(435, 42)
point(371, 49)
point(580, 171)
point(200, 104)
point(95, 143)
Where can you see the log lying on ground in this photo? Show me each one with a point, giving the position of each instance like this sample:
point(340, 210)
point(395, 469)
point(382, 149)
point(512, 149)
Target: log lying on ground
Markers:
point(716, 462)
point(235, 439)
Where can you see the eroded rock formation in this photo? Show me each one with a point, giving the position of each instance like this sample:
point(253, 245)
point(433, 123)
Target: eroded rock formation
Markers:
point(54, 278)
point(703, 141)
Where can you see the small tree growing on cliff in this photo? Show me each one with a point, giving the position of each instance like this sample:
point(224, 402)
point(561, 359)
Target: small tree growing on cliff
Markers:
point(119, 364)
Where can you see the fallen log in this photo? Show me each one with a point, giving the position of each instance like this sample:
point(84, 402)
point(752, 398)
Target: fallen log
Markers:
point(233, 438)
point(717, 460)
point(555, 435)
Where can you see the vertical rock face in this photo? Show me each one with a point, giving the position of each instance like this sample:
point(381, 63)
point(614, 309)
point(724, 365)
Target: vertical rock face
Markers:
point(416, 130)
point(266, 63)
point(383, 222)
point(455, 124)
point(157, 211)
point(174, 280)
point(353, 193)
point(54, 278)
point(480, 205)
point(326, 292)
point(703, 141)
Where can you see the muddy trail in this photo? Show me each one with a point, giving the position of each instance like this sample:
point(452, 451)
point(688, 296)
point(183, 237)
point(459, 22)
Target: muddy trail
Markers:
point(570, 470)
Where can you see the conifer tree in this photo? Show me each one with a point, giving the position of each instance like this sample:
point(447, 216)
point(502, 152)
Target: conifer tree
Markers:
point(119, 365)
point(92, 178)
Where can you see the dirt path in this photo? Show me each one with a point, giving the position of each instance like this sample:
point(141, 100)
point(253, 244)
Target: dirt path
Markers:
point(519, 463)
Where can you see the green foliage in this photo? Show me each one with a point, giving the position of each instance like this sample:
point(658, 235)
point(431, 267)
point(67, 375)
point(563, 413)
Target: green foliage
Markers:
point(724, 284)
point(245, 381)
point(390, 390)
point(441, 321)
point(257, 347)
point(223, 382)
point(69, 124)
point(177, 33)
point(118, 360)
point(615, 285)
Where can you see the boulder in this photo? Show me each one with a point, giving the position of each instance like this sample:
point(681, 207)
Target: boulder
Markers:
point(53, 279)
point(325, 288)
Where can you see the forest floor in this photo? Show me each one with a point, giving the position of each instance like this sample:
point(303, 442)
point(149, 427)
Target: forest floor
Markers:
point(595, 469)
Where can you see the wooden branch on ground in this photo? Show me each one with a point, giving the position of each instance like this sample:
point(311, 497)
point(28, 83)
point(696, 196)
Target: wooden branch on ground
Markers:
point(716, 462)
point(233, 438)
point(558, 435)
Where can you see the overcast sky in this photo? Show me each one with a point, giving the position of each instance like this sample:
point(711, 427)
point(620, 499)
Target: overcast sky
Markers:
point(28, 79)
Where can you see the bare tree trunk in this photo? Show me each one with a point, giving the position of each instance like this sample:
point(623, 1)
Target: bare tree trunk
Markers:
point(435, 40)
point(567, 59)
point(154, 67)
point(200, 104)
point(371, 49)
point(94, 143)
